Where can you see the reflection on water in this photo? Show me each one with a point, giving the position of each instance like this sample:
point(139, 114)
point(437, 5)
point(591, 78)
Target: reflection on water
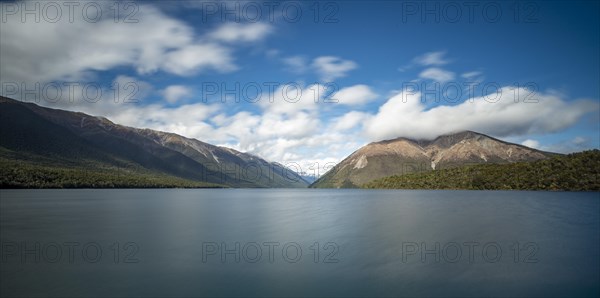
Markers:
point(241, 242)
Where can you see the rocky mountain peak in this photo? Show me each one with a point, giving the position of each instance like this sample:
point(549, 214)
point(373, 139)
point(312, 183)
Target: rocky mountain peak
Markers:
point(404, 155)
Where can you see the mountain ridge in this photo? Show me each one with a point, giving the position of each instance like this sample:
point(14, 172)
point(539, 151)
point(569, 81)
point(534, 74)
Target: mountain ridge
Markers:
point(82, 139)
point(404, 155)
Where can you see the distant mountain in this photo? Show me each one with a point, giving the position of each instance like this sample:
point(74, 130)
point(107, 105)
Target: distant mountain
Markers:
point(308, 177)
point(402, 156)
point(58, 143)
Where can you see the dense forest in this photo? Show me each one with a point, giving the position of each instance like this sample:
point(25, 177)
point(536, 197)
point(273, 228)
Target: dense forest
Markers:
point(21, 174)
point(573, 172)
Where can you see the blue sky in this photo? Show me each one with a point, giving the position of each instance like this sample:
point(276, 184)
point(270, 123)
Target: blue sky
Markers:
point(542, 56)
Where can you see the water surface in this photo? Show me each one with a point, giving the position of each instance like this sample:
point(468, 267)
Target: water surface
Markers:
point(241, 242)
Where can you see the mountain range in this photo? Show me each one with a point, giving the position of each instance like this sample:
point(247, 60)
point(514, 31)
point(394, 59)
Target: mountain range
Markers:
point(44, 147)
point(37, 141)
point(403, 156)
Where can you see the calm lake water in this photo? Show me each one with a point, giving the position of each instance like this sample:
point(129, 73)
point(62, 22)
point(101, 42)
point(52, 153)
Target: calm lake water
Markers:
point(251, 242)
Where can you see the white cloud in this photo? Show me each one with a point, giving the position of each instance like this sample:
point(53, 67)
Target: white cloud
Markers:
point(290, 99)
point(472, 78)
point(496, 114)
point(66, 50)
point(237, 32)
point(531, 143)
point(187, 120)
point(355, 95)
point(130, 89)
point(427, 59)
point(471, 74)
point(349, 120)
point(191, 59)
point(298, 125)
point(431, 58)
point(330, 68)
point(174, 93)
point(437, 74)
point(287, 131)
point(296, 64)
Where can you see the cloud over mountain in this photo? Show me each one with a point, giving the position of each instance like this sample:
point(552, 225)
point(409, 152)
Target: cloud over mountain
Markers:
point(505, 113)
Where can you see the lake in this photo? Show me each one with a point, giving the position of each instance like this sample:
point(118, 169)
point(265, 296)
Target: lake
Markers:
point(301, 243)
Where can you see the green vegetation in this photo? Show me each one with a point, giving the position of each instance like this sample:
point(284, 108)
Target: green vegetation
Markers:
point(25, 174)
point(573, 172)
